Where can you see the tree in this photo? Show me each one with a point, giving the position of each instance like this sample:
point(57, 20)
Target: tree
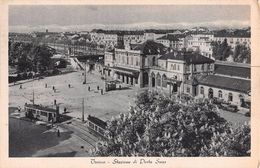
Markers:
point(221, 51)
point(161, 126)
point(242, 54)
point(30, 56)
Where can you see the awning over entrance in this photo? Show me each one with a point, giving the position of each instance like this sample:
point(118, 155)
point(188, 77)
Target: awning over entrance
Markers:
point(126, 71)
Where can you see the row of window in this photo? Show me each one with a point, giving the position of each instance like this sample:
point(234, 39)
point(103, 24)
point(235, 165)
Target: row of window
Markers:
point(42, 113)
point(160, 81)
point(210, 66)
point(199, 43)
point(220, 94)
point(126, 60)
point(208, 55)
point(233, 39)
point(127, 79)
point(134, 37)
point(175, 67)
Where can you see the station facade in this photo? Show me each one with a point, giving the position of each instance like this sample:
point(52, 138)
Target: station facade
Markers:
point(177, 72)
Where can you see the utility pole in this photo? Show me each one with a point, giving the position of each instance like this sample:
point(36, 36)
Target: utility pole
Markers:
point(33, 98)
point(83, 110)
point(85, 73)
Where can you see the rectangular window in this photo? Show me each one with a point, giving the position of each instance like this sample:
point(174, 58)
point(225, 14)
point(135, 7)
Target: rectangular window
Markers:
point(137, 62)
point(43, 113)
point(202, 90)
point(91, 125)
point(188, 67)
point(188, 89)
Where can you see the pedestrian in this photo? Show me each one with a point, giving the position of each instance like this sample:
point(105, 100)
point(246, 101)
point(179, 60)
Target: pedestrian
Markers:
point(55, 102)
point(69, 85)
point(120, 87)
point(21, 86)
point(52, 121)
point(65, 110)
point(89, 88)
point(53, 88)
point(19, 109)
point(101, 91)
point(45, 85)
point(58, 133)
point(97, 87)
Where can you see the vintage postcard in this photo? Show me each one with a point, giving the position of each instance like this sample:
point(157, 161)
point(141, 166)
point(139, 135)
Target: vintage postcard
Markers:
point(124, 84)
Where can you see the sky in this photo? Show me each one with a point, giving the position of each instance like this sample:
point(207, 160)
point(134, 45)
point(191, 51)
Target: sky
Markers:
point(87, 17)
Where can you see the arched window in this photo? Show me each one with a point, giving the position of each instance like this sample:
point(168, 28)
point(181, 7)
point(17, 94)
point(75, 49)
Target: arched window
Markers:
point(202, 90)
point(195, 68)
point(210, 93)
point(153, 79)
point(220, 94)
point(158, 78)
point(230, 97)
point(153, 61)
point(164, 82)
point(188, 68)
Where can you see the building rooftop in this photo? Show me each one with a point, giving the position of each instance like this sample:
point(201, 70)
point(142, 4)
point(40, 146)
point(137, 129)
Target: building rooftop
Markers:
point(188, 57)
point(170, 37)
point(222, 82)
point(97, 121)
point(39, 107)
point(149, 48)
point(233, 69)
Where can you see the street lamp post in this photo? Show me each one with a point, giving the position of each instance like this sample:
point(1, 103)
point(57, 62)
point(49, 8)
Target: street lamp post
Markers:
point(83, 110)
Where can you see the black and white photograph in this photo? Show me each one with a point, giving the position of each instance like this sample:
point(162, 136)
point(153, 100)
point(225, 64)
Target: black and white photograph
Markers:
point(129, 81)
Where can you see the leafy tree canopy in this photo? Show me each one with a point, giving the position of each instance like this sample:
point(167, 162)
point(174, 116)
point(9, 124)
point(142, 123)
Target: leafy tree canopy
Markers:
point(161, 126)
